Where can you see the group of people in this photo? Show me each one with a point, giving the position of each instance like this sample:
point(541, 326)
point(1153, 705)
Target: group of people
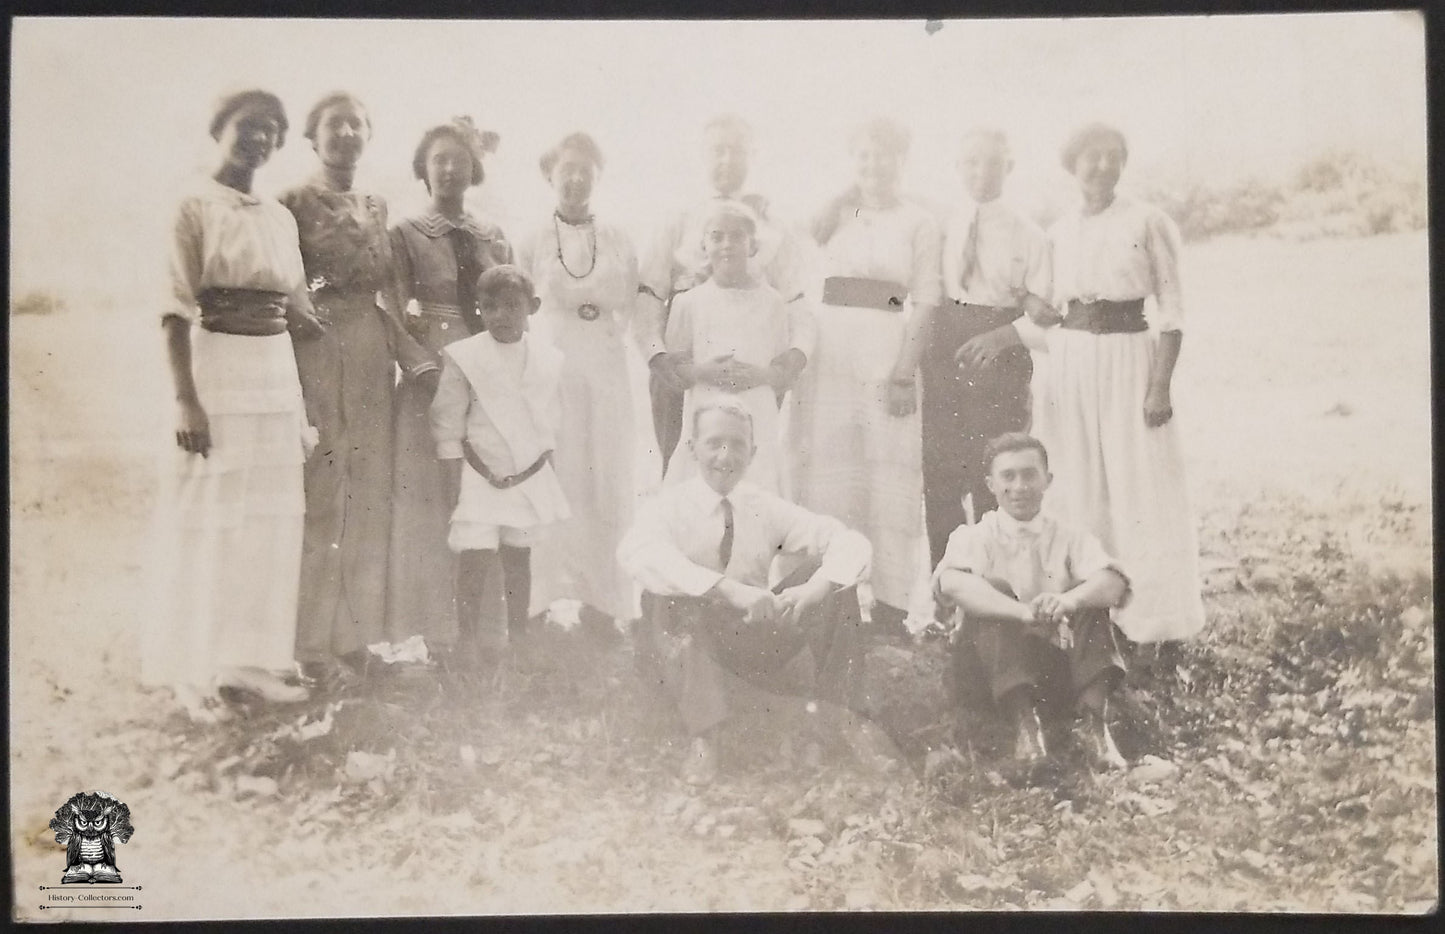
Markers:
point(375, 443)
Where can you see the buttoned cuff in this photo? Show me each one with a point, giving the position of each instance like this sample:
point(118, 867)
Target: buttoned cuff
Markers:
point(449, 450)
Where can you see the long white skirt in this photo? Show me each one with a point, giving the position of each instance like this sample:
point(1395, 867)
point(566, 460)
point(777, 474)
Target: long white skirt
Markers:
point(851, 458)
point(1119, 478)
point(228, 528)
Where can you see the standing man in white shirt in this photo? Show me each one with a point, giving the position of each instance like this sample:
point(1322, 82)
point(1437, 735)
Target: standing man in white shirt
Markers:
point(701, 550)
point(675, 262)
point(995, 268)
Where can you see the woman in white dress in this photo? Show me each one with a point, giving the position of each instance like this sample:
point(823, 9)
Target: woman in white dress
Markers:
point(1105, 411)
point(586, 275)
point(856, 436)
point(232, 504)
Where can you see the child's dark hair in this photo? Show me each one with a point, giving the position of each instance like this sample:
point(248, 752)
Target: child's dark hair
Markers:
point(502, 280)
point(1012, 441)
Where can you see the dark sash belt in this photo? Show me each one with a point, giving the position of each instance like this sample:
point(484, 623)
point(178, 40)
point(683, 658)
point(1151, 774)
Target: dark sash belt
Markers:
point(1106, 317)
point(503, 483)
point(246, 312)
point(864, 293)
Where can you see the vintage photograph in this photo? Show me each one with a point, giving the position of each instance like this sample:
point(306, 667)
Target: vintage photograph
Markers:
point(490, 467)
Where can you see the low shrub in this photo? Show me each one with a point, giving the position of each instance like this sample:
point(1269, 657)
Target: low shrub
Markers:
point(36, 303)
point(1340, 193)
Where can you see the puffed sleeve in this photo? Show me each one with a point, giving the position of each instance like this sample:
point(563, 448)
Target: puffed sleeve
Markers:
point(186, 262)
point(926, 285)
point(448, 412)
point(654, 285)
point(1038, 279)
point(1162, 242)
point(298, 294)
point(786, 270)
point(526, 250)
point(1038, 261)
point(655, 273)
point(631, 274)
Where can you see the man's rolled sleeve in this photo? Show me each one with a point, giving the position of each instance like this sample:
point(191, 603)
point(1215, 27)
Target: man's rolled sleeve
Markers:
point(844, 554)
point(964, 552)
point(1087, 557)
point(649, 555)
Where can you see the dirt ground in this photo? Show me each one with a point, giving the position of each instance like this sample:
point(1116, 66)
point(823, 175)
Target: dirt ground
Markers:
point(1290, 767)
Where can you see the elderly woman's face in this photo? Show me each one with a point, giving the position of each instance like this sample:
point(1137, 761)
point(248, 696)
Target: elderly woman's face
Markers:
point(876, 167)
point(572, 179)
point(448, 168)
point(341, 134)
point(1097, 167)
point(250, 136)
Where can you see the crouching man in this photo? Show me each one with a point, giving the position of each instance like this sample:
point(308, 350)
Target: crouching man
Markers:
point(701, 551)
point(1035, 599)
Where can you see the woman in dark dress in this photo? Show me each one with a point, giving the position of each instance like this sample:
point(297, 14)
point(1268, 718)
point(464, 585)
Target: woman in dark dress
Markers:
point(437, 256)
point(348, 379)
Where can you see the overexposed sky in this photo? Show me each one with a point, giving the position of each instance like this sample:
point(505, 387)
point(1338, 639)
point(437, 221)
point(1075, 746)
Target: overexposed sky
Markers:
point(109, 116)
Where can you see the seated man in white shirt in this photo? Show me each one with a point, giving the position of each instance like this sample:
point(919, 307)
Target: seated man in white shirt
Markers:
point(702, 549)
point(1036, 599)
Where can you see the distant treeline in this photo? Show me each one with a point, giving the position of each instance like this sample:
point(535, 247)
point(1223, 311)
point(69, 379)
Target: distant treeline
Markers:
point(1339, 194)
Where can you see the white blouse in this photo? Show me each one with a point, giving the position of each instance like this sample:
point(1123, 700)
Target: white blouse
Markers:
point(600, 254)
point(753, 325)
point(1127, 251)
point(898, 244)
point(226, 239)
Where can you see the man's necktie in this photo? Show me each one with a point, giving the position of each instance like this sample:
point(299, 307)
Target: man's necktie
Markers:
point(970, 252)
point(725, 550)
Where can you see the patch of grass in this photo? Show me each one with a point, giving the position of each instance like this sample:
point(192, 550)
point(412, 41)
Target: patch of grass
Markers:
point(1300, 727)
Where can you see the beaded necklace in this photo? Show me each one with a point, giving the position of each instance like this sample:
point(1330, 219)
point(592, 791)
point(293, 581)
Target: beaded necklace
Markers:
point(557, 220)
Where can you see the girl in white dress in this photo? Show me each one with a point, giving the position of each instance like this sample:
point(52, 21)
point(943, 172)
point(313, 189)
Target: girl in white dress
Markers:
point(741, 339)
point(586, 275)
point(856, 437)
point(231, 505)
point(1105, 410)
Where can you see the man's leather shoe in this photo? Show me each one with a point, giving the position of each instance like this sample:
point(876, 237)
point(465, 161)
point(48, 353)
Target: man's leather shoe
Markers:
point(1104, 756)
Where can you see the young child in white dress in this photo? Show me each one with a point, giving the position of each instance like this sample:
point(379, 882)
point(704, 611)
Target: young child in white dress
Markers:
point(739, 338)
point(497, 407)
